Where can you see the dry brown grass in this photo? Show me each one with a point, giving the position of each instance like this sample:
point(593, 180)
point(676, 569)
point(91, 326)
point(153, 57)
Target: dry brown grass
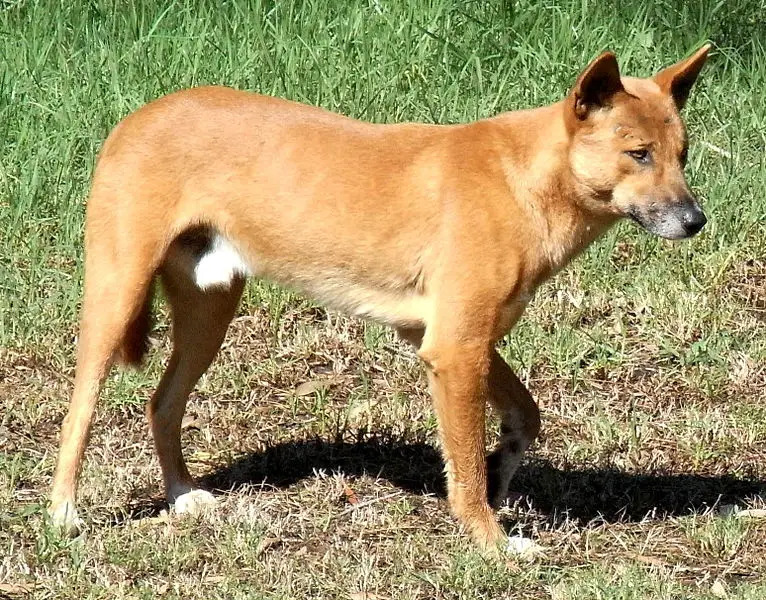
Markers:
point(318, 434)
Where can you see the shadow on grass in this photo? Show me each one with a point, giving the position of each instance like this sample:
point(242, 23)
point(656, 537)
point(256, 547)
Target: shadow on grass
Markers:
point(584, 495)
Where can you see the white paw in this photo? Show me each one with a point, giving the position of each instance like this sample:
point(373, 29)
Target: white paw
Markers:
point(194, 502)
point(64, 516)
point(522, 546)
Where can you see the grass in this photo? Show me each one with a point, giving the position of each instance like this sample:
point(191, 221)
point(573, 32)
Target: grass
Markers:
point(647, 357)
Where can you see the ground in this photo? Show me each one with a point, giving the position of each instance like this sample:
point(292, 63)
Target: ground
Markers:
point(646, 357)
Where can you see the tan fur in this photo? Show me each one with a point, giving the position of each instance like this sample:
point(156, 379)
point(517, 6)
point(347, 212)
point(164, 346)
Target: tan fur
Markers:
point(443, 232)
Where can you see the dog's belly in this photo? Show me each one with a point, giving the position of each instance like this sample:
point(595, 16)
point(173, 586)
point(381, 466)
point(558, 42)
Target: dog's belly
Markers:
point(220, 262)
point(391, 307)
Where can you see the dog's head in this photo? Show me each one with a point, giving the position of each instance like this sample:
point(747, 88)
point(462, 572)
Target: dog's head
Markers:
point(628, 145)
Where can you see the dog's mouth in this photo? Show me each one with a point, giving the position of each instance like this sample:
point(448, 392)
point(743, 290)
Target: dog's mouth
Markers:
point(672, 222)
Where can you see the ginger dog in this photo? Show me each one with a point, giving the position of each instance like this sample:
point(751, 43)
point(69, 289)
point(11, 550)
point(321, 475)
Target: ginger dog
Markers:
point(441, 232)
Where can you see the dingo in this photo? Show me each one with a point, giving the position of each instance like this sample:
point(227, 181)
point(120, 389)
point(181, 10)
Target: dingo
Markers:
point(442, 232)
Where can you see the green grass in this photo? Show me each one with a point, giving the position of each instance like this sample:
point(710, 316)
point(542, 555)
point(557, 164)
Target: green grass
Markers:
point(647, 357)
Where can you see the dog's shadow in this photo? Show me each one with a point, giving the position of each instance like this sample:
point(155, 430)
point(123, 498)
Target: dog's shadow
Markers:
point(580, 494)
point(583, 495)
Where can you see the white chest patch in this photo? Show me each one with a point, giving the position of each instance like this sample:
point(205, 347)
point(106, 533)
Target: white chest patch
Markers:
point(219, 265)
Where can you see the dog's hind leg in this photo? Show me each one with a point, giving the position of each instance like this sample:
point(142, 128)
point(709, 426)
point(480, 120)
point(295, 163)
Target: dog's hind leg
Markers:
point(200, 320)
point(520, 424)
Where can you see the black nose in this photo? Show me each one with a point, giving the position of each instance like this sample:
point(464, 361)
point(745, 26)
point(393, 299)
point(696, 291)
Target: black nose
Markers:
point(693, 218)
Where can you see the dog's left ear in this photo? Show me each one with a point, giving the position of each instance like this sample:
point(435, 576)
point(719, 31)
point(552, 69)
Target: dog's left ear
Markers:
point(678, 79)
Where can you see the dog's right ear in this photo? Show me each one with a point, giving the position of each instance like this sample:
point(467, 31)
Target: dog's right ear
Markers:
point(594, 88)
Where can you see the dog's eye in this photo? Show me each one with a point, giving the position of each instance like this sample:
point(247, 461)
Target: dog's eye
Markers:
point(641, 155)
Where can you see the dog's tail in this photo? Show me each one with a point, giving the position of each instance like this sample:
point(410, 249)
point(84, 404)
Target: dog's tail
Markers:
point(135, 341)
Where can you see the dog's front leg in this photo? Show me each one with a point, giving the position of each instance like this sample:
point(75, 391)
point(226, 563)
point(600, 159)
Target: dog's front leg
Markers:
point(520, 424)
point(457, 374)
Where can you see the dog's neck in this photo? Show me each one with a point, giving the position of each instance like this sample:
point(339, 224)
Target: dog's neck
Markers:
point(535, 156)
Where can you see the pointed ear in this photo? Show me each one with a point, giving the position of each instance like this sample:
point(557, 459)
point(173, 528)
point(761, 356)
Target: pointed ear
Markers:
point(678, 79)
point(595, 86)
